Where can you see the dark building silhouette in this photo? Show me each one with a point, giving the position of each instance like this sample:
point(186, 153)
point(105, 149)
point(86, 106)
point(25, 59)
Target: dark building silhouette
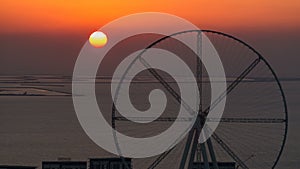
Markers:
point(110, 163)
point(16, 167)
point(64, 165)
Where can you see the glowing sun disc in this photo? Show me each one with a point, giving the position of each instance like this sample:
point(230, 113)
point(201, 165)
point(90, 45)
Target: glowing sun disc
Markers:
point(98, 39)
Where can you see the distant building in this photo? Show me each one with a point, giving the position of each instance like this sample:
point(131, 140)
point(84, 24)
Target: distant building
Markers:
point(110, 163)
point(221, 165)
point(16, 167)
point(64, 165)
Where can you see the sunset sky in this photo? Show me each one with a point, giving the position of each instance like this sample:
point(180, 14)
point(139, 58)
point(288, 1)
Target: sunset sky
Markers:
point(61, 27)
point(73, 15)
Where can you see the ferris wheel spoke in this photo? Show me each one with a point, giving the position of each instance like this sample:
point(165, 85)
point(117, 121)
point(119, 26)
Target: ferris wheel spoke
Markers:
point(160, 158)
point(222, 120)
point(247, 120)
point(167, 86)
point(229, 151)
point(232, 86)
point(162, 119)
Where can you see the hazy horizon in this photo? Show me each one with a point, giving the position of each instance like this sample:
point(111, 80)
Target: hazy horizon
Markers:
point(56, 53)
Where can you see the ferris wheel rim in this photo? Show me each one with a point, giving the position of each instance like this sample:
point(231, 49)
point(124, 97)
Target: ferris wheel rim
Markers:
point(260, 56)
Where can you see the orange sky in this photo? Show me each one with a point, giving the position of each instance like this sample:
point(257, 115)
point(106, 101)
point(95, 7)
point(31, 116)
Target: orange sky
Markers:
point(74, 15)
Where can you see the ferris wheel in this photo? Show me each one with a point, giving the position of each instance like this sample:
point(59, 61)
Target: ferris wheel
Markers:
point(252, 131)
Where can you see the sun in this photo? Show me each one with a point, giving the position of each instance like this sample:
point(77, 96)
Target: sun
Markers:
point(98, 39)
